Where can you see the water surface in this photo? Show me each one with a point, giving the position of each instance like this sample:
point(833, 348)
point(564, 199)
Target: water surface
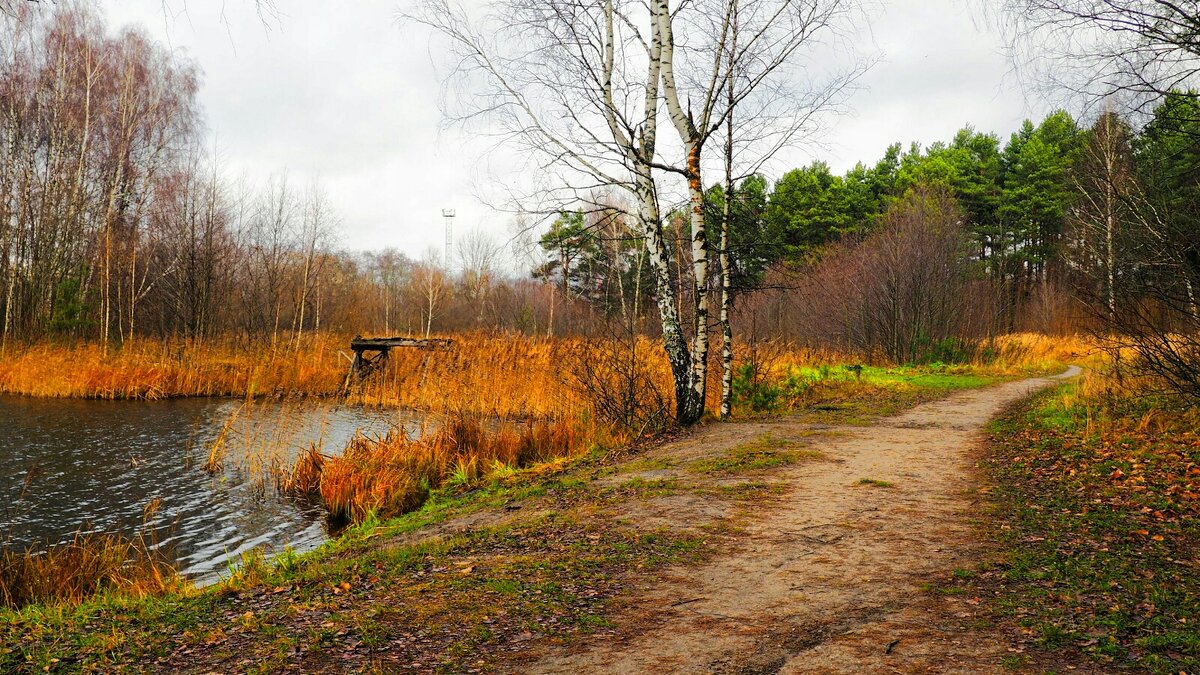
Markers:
point(69, 465)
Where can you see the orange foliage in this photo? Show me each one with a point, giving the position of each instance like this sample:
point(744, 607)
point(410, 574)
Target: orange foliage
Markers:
point(507, 376)
point(510, 376)
point(153, 369)
point(393, 474)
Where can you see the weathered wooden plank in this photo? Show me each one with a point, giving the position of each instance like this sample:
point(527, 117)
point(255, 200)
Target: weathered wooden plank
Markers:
point(371, 354)
point(360, 344)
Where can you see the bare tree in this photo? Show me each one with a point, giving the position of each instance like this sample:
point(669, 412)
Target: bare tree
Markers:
point(478, 260)
point(576, 85)
point(1104, 186)
point(391, 270)
point(579, 85)
point(1132, 50)
point(427, 287)
point(734, 55)
point(1145, 55)
point(317, 223)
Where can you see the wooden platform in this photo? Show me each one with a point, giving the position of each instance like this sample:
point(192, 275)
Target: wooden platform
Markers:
point(372, 353)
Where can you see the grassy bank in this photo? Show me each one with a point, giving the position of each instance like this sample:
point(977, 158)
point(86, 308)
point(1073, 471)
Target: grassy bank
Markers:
point(1096, 493)
point(546, 558)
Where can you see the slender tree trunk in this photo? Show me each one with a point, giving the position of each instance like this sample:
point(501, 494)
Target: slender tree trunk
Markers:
point(303, 300)
point(726, 216)
point(674, 344)
point(693, 137)
point(700, 250)
point(550, 319)
point(726, 326)
point(429, 314)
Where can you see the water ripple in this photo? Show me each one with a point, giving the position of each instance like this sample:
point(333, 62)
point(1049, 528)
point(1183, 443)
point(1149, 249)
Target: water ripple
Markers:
point(94, 465)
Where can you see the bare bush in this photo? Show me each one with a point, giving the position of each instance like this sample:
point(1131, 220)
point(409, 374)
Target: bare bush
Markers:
point(906, 291)
point(620, 378)
point(1158, 310)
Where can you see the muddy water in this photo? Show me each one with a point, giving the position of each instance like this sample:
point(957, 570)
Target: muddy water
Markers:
point(70, 465)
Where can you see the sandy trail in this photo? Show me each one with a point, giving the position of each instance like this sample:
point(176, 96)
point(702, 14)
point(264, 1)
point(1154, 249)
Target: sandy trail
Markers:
point(830, 581)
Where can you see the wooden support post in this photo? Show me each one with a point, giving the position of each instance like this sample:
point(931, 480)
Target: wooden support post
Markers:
point(363, 364)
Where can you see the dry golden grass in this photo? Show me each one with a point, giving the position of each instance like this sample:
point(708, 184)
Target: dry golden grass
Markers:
point(92, 563)
point(153, 369)
point(1017, 352)
point(1006, 355)
point(478, 387)
point(506, 376)
point(74, 572)
point(393, 474)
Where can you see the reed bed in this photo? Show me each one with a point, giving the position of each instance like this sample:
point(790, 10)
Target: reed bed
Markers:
point(153, 369)
point(255, 441)
point(394, 474)
point(494, 375)
point(509, 376)
point(506, 376)
point(91, 564)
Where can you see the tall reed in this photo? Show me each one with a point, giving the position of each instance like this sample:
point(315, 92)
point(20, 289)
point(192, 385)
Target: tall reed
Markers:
point(90, 564)
point(393, 474)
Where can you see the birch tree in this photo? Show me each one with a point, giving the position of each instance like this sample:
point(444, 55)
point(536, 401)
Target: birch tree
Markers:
point(718, 57)
point(579, 85)
point(1104, 187)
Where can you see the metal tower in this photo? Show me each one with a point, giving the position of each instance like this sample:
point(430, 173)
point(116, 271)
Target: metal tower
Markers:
point(448, 216)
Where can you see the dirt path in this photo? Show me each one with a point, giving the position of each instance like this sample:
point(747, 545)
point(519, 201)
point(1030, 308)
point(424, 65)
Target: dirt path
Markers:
point(831, 579)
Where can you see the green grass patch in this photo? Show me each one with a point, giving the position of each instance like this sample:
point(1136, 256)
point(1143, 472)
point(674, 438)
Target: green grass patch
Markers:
point(872, 482)
point(852, 393)
point(1098, 521)
point(762, 454)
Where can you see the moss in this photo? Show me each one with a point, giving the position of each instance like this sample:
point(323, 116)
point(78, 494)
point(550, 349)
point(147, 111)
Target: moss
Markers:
point(764, 453)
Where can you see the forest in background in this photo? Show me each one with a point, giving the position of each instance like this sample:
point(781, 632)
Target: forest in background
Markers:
point(115, 222)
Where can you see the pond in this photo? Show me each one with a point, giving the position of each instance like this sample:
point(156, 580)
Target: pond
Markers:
point(82, 465)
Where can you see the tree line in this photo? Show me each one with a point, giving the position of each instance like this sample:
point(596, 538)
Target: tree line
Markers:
point(1044, 226)
point(115, 222)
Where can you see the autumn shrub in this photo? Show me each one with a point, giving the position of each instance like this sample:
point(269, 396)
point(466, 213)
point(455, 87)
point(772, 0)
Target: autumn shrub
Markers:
point(622, 380)
point(392, 474)
point(905, 292)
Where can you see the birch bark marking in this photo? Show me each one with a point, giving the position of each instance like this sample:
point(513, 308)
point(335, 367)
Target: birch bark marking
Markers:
point(692, 408)
point(726, 215)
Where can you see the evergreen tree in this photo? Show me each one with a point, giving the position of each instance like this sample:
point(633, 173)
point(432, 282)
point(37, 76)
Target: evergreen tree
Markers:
point(1036, 190)
point(808, 209)
point(753, 245)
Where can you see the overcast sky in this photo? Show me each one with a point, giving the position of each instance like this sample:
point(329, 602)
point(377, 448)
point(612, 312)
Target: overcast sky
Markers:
point(342, 93)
